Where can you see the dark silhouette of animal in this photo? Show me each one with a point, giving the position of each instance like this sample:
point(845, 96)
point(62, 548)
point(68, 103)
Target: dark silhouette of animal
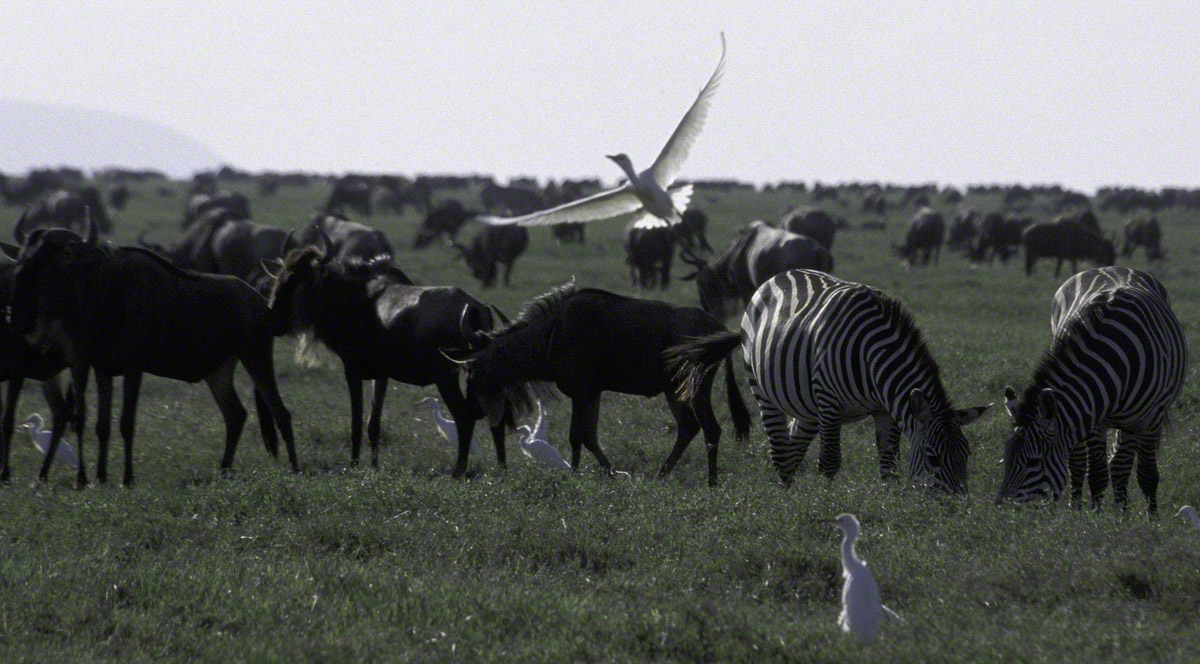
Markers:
point(875, 203)
point(119, 196)
point(397, 193)
point(1143, 232)
point(569, 233)
point(351, 192)
point(963, 229)
point(513, 201)
point(811, 222)
point(923, 240)
point(64, 208)
point(649, 252)
point(998, 237)
point(34, 186)
point(692, 229)
point(350, 241)
point(1066, 238)
point(445, 219)
point(492, 247)
point(588, 341)
point(200, 204)
point(126, 312)
point(758, 253)
point(382, 327)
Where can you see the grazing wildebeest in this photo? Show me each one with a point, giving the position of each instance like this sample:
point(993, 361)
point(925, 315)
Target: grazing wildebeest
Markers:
point(1143, 232)
point(353, 192)
point(200, 204)
point(811, 222)
point(126, 312)
point(350, 241)
point(649, 252)
point(515, 201)
point(447, 218)
point(119, 196)
point(64, 208)
point(494, 245)
point(924, 237)
point(963, 229)
point(692, 229)
point(758, 253)
point(588, 341)
point(382, 327)
point(1066, 239)
point(998, 236)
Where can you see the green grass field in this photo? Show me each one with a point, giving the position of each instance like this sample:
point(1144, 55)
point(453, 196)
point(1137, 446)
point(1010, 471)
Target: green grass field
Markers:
point(406, 564)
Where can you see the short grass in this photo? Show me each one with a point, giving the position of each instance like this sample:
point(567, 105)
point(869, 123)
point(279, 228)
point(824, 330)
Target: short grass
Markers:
point(405, 564)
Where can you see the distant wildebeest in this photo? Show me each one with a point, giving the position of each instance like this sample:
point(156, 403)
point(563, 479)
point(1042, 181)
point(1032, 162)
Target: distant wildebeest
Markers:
point(570, 233)
point(350, 192)
point(757, 254)
point(64, 208)
point(493, 246)
point(1066, 238)
point(382, 327)
point(1143, 232)
point(811, 222)
point(119, 196)
point(350, 241)
point(513, 201)
point(692, 229)
point(126, 312)
point(649, 252)
point(445, 219)
point(924, 237)
point(874, 202)
point(998, 237)
point(36, 185)
point(963, 229)
point(586, 342)
point(237, 205)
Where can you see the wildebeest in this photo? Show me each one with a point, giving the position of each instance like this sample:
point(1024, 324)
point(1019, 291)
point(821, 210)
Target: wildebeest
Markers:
point(588, 341)
point(382, 327)
point(1143, 232)
point(119, 196)
point(126, 312)
point(649, 252)
point(924, 237)
point(758, 253)
point(514, 201)
point(963, 229)
point(811, 222)
point(493, 246)
point(35, 185)
point(998, 236)
point(692, 229)
point(64, 208)
point(199, 204)
point(1066, 238)
point(352, 192)
point(447, 218)
point(350, 241)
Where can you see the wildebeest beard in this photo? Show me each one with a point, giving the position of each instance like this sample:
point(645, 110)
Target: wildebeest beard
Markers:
point(520, 397)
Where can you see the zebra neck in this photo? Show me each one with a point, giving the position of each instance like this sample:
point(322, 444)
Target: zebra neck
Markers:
point(896, 398)
point(1080, 406)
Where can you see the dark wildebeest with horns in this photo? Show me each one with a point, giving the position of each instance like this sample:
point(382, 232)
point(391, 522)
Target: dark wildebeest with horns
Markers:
point(589, 341)
point(515, 201)
point(811, 222)
point(649, 252)
point(1143, 232)
point(758, 253)
point(382, 327)
point(64, 208)
point(351, 192)
point(493, 246)
point(923, 239)
point(200, 204)
point(963, 229)
point(447, 218)
point(997, 236)
point(349, 241)
point(1066, 238)
point(692, 229)
point(127, 312)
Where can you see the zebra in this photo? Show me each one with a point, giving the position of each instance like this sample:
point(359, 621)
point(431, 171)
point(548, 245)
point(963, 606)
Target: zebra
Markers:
point(822, 352)
point(1116, 361)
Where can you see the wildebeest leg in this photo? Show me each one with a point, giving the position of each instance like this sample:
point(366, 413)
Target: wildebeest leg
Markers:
point(261, 367)
point(374, 423)
point(1030, 259)
point(78, 408)
point(464, 420)
point(585, 418)
point(8, 424)
point(266, 424)
point(507, 273)
point(131, 386)
point(686, 428)
point(354, 383)
point(498, 440)
point(104, 401)
point(220, 384)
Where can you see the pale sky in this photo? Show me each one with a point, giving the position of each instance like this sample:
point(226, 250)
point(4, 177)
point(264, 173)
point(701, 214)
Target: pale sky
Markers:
point(1082, 93)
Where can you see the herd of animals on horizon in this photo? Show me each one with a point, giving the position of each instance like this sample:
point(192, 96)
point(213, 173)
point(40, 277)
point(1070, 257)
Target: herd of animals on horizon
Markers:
point(75, 303)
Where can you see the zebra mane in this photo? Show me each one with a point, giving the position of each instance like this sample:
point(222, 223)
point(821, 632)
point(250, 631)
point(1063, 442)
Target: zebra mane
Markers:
point(1055, 356)
point(902, 319)
point(539, 309)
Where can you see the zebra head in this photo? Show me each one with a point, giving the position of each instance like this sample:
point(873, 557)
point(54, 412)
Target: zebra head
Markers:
point(1036, 456)
point(940, 452)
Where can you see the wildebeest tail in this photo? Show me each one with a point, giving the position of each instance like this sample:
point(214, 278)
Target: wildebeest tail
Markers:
point(737, 407)
point(694, 361)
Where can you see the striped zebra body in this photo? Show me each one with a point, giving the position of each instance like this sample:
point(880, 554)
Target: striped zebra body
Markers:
point(1116, 361)
point(822, 352)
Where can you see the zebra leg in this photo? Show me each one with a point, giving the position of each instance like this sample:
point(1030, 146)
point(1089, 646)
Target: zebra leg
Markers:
point(887, 445)
point(1097, 465)
point(830, 460)
point(1147, 470)
point(1119, 467)
point(784, 455)
point(1078, 467)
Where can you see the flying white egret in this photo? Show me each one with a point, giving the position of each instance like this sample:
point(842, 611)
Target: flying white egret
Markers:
point(1190, 513)
point(41, 440)
point(446, 427)
point(536, 445)
point(862, 610)
point(651, 193)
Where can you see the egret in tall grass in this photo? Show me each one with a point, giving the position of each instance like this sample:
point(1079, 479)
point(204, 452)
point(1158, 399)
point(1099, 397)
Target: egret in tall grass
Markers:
point(862, 610)
point(41, 440)
point(536, 445)
point(1189, 512)
point(651, 193)
point(446, 427)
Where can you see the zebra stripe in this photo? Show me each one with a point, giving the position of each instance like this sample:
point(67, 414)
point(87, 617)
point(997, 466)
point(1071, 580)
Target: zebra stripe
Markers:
point(822, 352)
point(1117, 360)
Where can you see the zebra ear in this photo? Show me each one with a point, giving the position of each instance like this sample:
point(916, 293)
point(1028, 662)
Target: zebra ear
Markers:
point(1047, 407)
point(1010, 401)
point(965, 416)
point(919, 406)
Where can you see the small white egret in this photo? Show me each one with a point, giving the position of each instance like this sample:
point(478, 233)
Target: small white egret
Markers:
point(651, 193)
point(41, 440)
point(862, 610)
point(536, 446)
point(446, 427)
point(1189, 512)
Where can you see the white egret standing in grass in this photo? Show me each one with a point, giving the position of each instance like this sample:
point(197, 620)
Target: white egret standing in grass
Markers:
point(1189, 512)
point(536, 445)
point(651, 193)
point(41, 440)
point(446, 427)
point(862, 610)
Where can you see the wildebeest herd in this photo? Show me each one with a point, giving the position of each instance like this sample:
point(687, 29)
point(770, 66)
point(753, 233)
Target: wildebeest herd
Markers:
point(819, 351)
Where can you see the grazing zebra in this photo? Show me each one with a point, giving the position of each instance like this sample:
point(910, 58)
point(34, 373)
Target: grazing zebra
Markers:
point(1116, 361)
point(823, 352)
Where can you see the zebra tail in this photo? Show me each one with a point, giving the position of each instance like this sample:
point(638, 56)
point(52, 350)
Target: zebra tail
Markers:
point(737, 407)
point(693, 361)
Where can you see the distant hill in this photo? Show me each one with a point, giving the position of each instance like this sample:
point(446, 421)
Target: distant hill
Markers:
point(34, 135)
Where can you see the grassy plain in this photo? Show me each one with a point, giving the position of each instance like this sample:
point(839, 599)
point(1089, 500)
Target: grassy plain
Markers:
point(405, 564)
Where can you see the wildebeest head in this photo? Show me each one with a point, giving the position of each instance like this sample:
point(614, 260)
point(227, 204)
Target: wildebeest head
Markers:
point(717, 295)
point(300, 272)
point(1036, 455)
point(482, 266)
point(51, 278)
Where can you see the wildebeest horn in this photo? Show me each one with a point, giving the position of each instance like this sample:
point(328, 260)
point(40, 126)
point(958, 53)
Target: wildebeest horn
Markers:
point(692, 259)
point(93, 235)
point(500, 314)
point(326, 242)
point(283, 248)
